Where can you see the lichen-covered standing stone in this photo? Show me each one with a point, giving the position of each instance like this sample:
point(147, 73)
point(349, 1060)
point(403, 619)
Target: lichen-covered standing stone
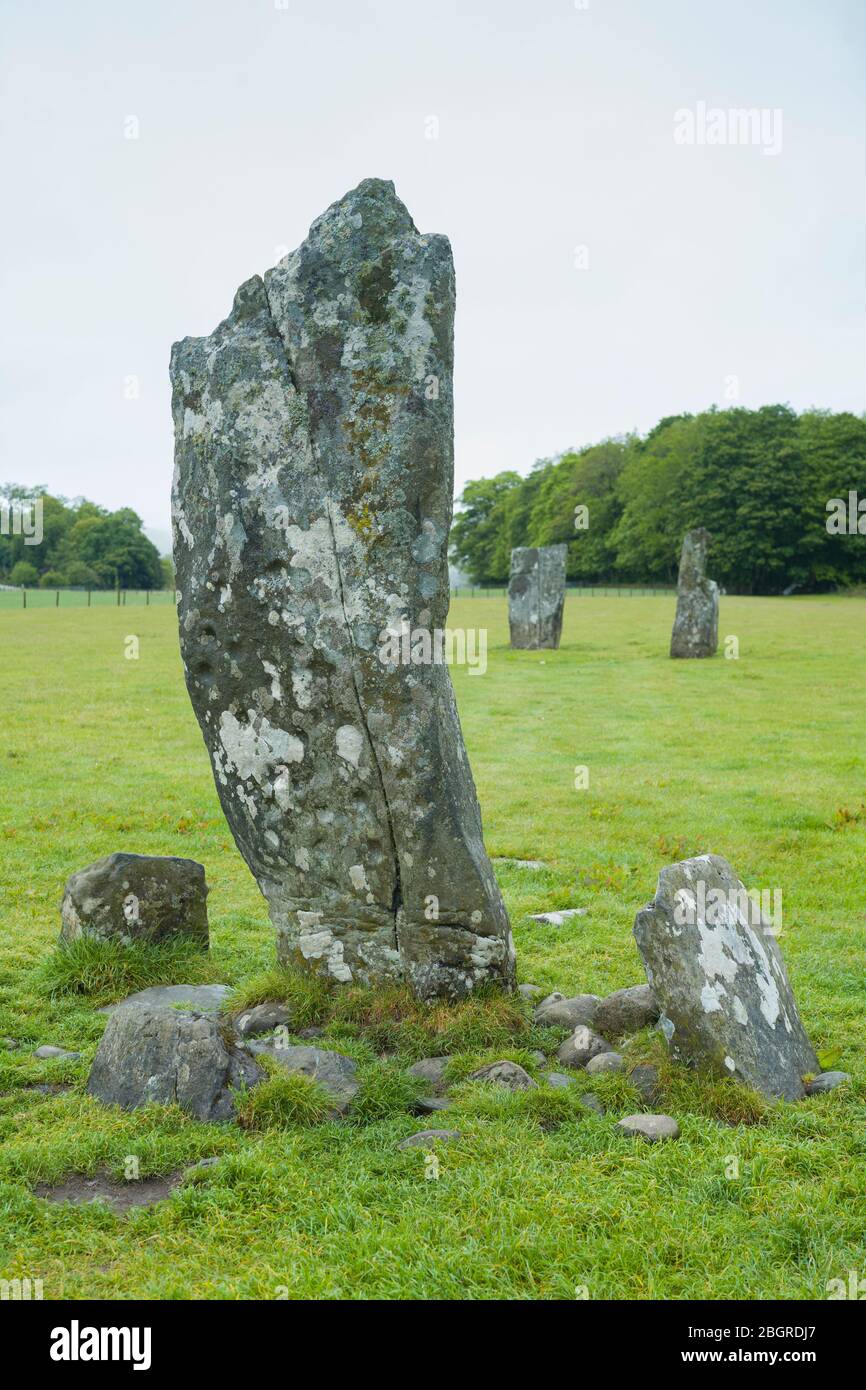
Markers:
point(312, 503)
point(536, 595)
point(696, 625)
point(717, 973)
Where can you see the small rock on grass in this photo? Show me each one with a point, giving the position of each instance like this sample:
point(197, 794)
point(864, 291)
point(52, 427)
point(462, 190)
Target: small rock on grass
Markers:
point(558, 919)
point(580, 1047)
point(539, 1058)
point(507, 1074)
point(650, 1127)
point(431, 1069)
point(263, 1018)
point(626, 1011)
point(47, 1050)
point(645, 1080)
point(425, 1137)
point(591, 1102)
point(605, 1061)
point(530, 991)
point(827, 1081)
point(429, 1105)
point(557, 1012)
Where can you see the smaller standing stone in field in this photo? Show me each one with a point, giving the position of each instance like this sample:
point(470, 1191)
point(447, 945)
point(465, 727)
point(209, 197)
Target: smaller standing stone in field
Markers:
point(650, 1127)
point(827, 1081)
point(425, 1137)
point(626, 1011)
point(580, 1047)
point(136, 897)
point(719, 977)
point(604, 1061)
point(556, 1012)
point(47, 1050)
point(696, 625)
point(536, 595)
point(507, 1074)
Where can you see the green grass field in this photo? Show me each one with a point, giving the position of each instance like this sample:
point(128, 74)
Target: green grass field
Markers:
point(761, 759)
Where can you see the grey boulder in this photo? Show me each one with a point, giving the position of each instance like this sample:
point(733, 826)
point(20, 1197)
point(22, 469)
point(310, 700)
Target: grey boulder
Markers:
point(158, 1054)
point(432, 1070)
point(696, 625)
point(335, 1073)
point(583, 1044)
point(507, 1074)
point(719, 978)
point(136, 897)
point(626, 1011)
point(827, 1081)
point(604, 1062)
point(262, 1018)
point(202, 999)
point(536, 594)
point(652, 1128)
point(645, 1079)
point(555, 1011)
point(48, 1050)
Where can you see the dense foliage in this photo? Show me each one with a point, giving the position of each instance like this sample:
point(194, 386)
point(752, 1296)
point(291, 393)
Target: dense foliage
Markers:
point(82, 545)
point(761, 481)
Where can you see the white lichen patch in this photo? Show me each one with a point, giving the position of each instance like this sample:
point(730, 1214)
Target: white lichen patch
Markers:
point(350, 744)
point(255, 748)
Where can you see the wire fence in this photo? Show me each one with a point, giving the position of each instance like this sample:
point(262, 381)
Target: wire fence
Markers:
point(579, 590)
point(84, 598)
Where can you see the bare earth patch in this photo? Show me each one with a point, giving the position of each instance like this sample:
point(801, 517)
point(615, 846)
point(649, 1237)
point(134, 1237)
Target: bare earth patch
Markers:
point(120, 1196)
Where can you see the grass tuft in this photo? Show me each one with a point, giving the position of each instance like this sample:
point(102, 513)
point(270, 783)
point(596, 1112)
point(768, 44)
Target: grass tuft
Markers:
point(109, 969)
point(285, 1100)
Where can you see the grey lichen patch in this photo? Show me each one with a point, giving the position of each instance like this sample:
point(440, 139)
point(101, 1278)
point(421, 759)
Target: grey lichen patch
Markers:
point(312, 505)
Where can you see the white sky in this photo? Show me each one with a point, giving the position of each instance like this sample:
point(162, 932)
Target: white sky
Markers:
point(556, 130)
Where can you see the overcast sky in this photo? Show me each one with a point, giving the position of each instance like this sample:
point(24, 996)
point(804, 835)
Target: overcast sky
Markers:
point(607, 275)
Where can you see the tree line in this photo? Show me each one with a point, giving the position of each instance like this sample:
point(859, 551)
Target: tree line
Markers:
point(768, 484)
point(74, 544)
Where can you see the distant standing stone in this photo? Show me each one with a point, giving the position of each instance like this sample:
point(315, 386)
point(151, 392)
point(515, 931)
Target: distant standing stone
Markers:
point(536, 595)
point(650, 1127)
point(696, 625)
point(136, 897)
point(719, 978)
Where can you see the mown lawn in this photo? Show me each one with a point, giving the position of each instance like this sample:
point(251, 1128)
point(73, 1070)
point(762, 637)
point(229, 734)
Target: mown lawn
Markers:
point(761, 759)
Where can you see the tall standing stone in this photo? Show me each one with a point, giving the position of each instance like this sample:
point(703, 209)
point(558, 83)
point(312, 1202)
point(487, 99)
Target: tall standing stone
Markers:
point(312, 503)
point(536, 595)
point(716, 971)
point(696, 625)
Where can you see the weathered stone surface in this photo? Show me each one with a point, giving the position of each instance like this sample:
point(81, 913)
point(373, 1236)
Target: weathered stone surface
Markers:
point(536, 595)
point(312, 503)
point(136, 897)
point(507, 1074)
point(334, 1072)
point(605, 1062)
point(827, 1081)
point(169, 1056)
point(202, 999)
point(652, 1128)
point(558, 1079)
point(558, 919)
point(718, 975)
point(591, 1102)
point(626, 1011)
point(568, 1013)
point(432, 1070)
point(645, 1079)
point(263, 1018)
point(583, 1044)
point(696, 625)
point(425, 1137)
